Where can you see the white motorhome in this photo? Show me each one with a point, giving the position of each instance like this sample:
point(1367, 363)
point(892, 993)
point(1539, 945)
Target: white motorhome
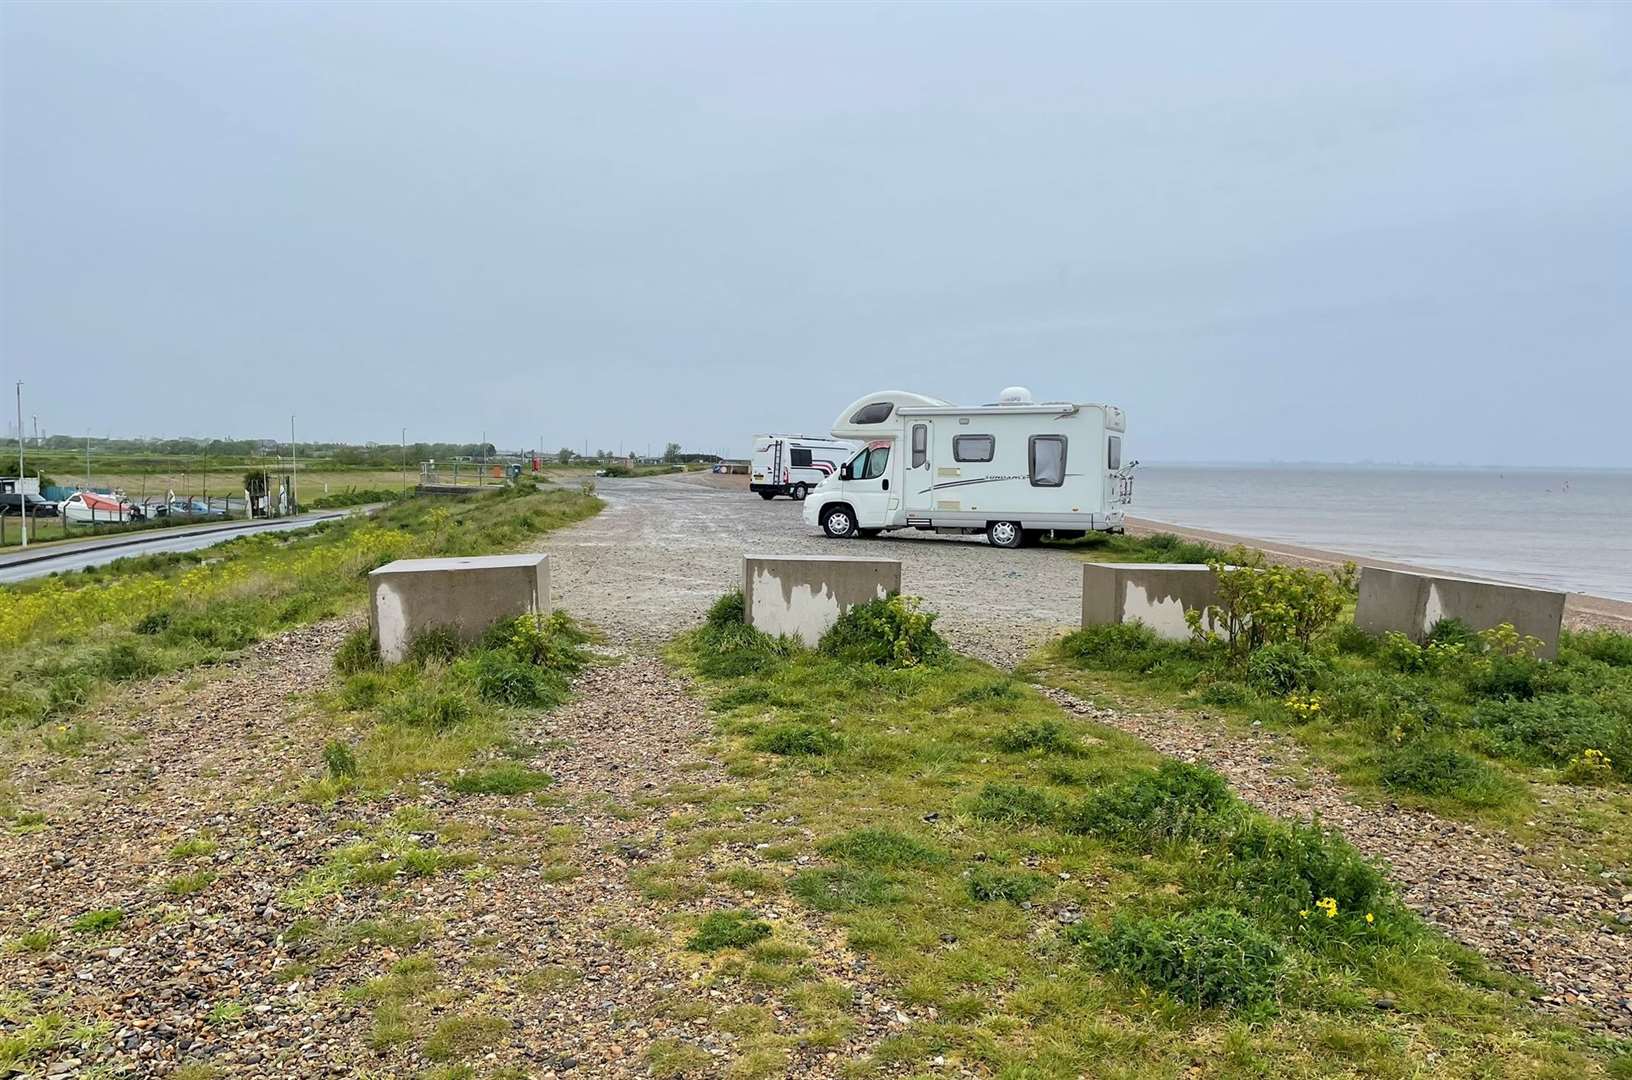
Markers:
point(1014, 470)
point(794, 464)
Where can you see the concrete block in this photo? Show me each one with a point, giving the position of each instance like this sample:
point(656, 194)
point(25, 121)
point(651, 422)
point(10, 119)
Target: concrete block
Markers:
point(1156, 594)
point(467, 595)
point(1411, 603)
point(804, 596)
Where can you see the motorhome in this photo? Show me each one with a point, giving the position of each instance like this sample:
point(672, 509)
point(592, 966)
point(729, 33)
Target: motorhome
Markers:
point(794, 464)
point(1016, 470)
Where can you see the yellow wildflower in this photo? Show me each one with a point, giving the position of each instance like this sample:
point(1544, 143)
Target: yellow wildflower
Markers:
point(1370, 918)
point(1328, 905)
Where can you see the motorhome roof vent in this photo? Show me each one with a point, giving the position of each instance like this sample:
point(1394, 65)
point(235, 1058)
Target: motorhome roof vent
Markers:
point(1015, 395)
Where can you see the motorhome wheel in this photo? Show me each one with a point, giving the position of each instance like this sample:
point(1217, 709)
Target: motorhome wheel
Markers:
point(838, 523)
point(767, 495)
point(799, 492)
point(1005, 534)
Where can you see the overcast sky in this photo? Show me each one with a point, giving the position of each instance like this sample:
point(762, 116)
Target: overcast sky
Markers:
point(1307, 232)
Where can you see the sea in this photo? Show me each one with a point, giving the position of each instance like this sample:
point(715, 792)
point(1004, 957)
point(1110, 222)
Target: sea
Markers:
point(1565, 529)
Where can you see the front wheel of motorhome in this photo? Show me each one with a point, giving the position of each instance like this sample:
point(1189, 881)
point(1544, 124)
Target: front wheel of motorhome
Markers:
point(1005, 534)
point(839, 523)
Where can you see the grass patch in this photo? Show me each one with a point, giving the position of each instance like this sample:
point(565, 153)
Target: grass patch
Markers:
point(505, 778)
point(727, 930)
point(99, 921)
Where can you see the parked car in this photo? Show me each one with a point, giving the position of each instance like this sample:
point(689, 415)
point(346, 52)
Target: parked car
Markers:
point(193, 508)
point(85, 507)
point(11, 502)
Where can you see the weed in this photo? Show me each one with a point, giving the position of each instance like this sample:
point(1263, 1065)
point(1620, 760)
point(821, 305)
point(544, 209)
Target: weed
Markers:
point(882, 848)
point(1210, 957)
point(99, 921)
point(894, 632)
point(1013, 804)
point(505, 778)
point(188, 884)
point(1281, 668)
point(464, 1034)
point(192, 848)
point(1129, 646)
point(734, 929)
point(338, 759)
point(37, 941)
point(435, 645)
point(1437, 768)
point(796, 740)
point(1046, 734)
point(1605, 646)
point(986, 885)
point(839, 888)
point(1176, 802)
point(357, 653)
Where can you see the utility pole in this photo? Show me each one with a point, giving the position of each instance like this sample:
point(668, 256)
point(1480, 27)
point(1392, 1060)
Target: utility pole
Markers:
point(87, 459)
point(405, 461)
point(294, 470)
point(22, 499)
point(36, 431)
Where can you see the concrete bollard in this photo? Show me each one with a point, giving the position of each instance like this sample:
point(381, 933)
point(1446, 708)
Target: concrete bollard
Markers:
point(804, 596)
point(466, 595)
point(1156, 594)
point(1412, 603)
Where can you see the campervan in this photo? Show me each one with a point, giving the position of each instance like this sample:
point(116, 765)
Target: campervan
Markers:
point(1016, 470)
point(794, 464)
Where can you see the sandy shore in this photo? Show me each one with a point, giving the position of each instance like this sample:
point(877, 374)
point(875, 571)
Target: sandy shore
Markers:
point(1581, 612)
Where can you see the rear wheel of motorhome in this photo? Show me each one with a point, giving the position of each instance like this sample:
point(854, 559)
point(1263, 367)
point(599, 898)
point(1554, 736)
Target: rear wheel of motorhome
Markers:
point(767, 495)
point(1005, 534)
point(839, 523)
point(799, 492)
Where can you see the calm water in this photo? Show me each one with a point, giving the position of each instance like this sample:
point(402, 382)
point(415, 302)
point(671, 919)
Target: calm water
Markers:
point(1558, 529)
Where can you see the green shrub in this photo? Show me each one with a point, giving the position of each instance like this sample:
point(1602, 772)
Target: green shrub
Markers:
point(506, 679)
point(1209, 957)
point(882, 848)
point(1177, 801)
point(796, 740)
point(154, 622)
point(1129, 646)
point(1013, 804)
point(1224, 692)
point(1283, 867)
point(727, 930)
point(364, 691)
point(339, 760)
point(435, 644)
point(1280, 668)
point(1498, 676)
point(1262, 603)
point(99, 921)
point(125, 661)
point(1590, 768)
point(840, 888)
point(893, 632)
point(1604, 645)
point(728, 648)
point(357, 653)
point(986, 885)
point(222, 628)
point(1391, 705)
point(1442, 770)
point(1454, 632)
point(1046, 734)
point(1350, 640)
point(505, 778)
point(551, 642)
point(728, 610)
point(1554, 728)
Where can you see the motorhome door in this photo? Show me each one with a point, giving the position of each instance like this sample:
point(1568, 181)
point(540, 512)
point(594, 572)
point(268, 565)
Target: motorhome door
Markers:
point(918, 470)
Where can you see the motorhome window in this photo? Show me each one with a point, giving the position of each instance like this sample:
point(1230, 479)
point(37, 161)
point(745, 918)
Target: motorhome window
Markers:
point(1113, 454)
point(1047, 460)
point(920, 445)
point(799, 457)
point(973, 447)
point(876, 413)
point(875, 463)
point(858, 465)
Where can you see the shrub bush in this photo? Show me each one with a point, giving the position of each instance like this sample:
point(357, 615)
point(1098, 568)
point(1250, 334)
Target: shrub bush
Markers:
point(1177, 801)
point(1605, 645)
point(505, 679)
point(1130, 646)
point(1225, 692)
point(1208, 957)
point(1281, 868)
point(893, 633)
point(435, 644)
point(125, 661)
point(1283, 667)
point(728, 930)
point(357, 653)
point(1438, 769)
point(1350, 640)
point(364, 690)
point(1261, 603)
point(431, 708)
point(1554, 728)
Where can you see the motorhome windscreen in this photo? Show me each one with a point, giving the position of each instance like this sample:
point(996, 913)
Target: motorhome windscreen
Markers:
point(973, 447)
point(1047, 460)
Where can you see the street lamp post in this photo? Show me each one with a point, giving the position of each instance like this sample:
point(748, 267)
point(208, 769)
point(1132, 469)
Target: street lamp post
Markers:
point(22, 499)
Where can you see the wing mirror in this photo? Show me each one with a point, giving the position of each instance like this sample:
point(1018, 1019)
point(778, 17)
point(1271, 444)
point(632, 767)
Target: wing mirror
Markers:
point(844, 472)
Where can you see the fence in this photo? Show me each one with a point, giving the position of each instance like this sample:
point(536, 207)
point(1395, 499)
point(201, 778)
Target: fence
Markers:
point(155, 513)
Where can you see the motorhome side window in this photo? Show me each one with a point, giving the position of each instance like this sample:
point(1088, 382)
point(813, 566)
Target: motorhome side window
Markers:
point(799, 457)
point(876, 461)
point(1113, 453)
point(1047, 460)
point(973, 447)
point(920, 444)
point(876, 413)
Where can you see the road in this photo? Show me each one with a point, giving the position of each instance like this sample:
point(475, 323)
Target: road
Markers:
point(19, 565)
